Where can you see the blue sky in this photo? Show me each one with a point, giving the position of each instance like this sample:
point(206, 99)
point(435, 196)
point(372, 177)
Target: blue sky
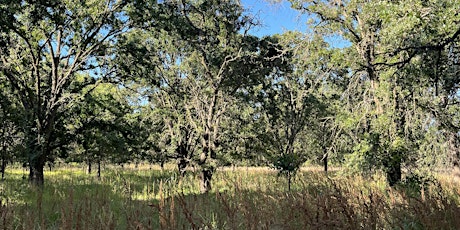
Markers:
point(275, 17)
point(280, 17)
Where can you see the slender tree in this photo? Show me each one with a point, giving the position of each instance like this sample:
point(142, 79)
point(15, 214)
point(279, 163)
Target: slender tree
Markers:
point(289, 102)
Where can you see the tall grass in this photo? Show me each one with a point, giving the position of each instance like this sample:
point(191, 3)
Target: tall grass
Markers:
point(243, 198)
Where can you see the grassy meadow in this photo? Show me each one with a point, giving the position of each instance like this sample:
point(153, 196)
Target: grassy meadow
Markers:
point(242, 198)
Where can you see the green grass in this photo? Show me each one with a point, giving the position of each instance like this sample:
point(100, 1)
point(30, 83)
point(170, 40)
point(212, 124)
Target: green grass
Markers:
point(244, 198)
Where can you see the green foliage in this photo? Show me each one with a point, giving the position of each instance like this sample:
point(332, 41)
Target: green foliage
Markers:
point(288, 164)
point(399, 67)
point(415, 184)
point(289, 104)
point(127, 81)
point(47, 47)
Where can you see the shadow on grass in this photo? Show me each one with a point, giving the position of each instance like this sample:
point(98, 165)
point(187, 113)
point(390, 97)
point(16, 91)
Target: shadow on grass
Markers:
point(240, 200)
point(75, 202)
point(321, 204)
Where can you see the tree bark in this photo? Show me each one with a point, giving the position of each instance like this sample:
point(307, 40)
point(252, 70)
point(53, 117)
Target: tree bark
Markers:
point(99, 169)
point(3, 167)
point(206, 176)
point(325, 162)
point(289, 176)
point(36, 176)
point(4, 161)
point(89, 166)
point(182, 165)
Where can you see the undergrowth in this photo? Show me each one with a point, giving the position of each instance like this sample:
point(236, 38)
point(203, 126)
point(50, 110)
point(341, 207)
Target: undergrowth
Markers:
point(248, 198)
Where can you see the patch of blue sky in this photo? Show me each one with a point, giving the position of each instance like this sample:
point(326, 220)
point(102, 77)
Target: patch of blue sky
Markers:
point(277, 17)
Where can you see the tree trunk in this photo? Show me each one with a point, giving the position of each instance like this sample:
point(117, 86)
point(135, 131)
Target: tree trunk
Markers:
point(325, 161)
point(206, 176)
point(31, 173)
point(182, 165)
point(3, 168)
point(207, 170)
point(394, 172)
point(89, 166)
point(394, 167)
point(36, 176)
point(289, 176)
point(99, 169)
point(453, 143)
point(4, 161)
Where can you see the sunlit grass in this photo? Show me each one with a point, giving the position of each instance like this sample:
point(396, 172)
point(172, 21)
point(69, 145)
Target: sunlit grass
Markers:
point(146, 197)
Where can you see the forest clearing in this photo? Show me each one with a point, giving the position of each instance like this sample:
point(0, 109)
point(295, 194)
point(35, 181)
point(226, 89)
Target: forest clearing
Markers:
point(368, 92)
point(242, 198)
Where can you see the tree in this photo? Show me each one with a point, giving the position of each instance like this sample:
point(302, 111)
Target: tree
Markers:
point(392, 40)
point(44, 45)
point(103, 126)
point(216, 57)
point(289, 102)
point(9, 132)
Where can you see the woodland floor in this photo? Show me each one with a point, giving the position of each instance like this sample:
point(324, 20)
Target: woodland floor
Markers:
point(241, 198)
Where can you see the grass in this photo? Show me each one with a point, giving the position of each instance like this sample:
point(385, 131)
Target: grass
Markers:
point(242, 198)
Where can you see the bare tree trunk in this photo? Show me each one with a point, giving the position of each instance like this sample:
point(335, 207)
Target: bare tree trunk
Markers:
point(3, 168)
point(99, 169)
point(4, 160)
point(89, 166)
point(206, 176)
point(31, 173)
point(325, 162)
point(289, 176)
point(36, 165)
point(36, 176)
point(325, 158)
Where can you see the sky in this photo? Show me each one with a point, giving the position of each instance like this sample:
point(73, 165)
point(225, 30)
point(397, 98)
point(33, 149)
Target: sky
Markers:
point(275, 17)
